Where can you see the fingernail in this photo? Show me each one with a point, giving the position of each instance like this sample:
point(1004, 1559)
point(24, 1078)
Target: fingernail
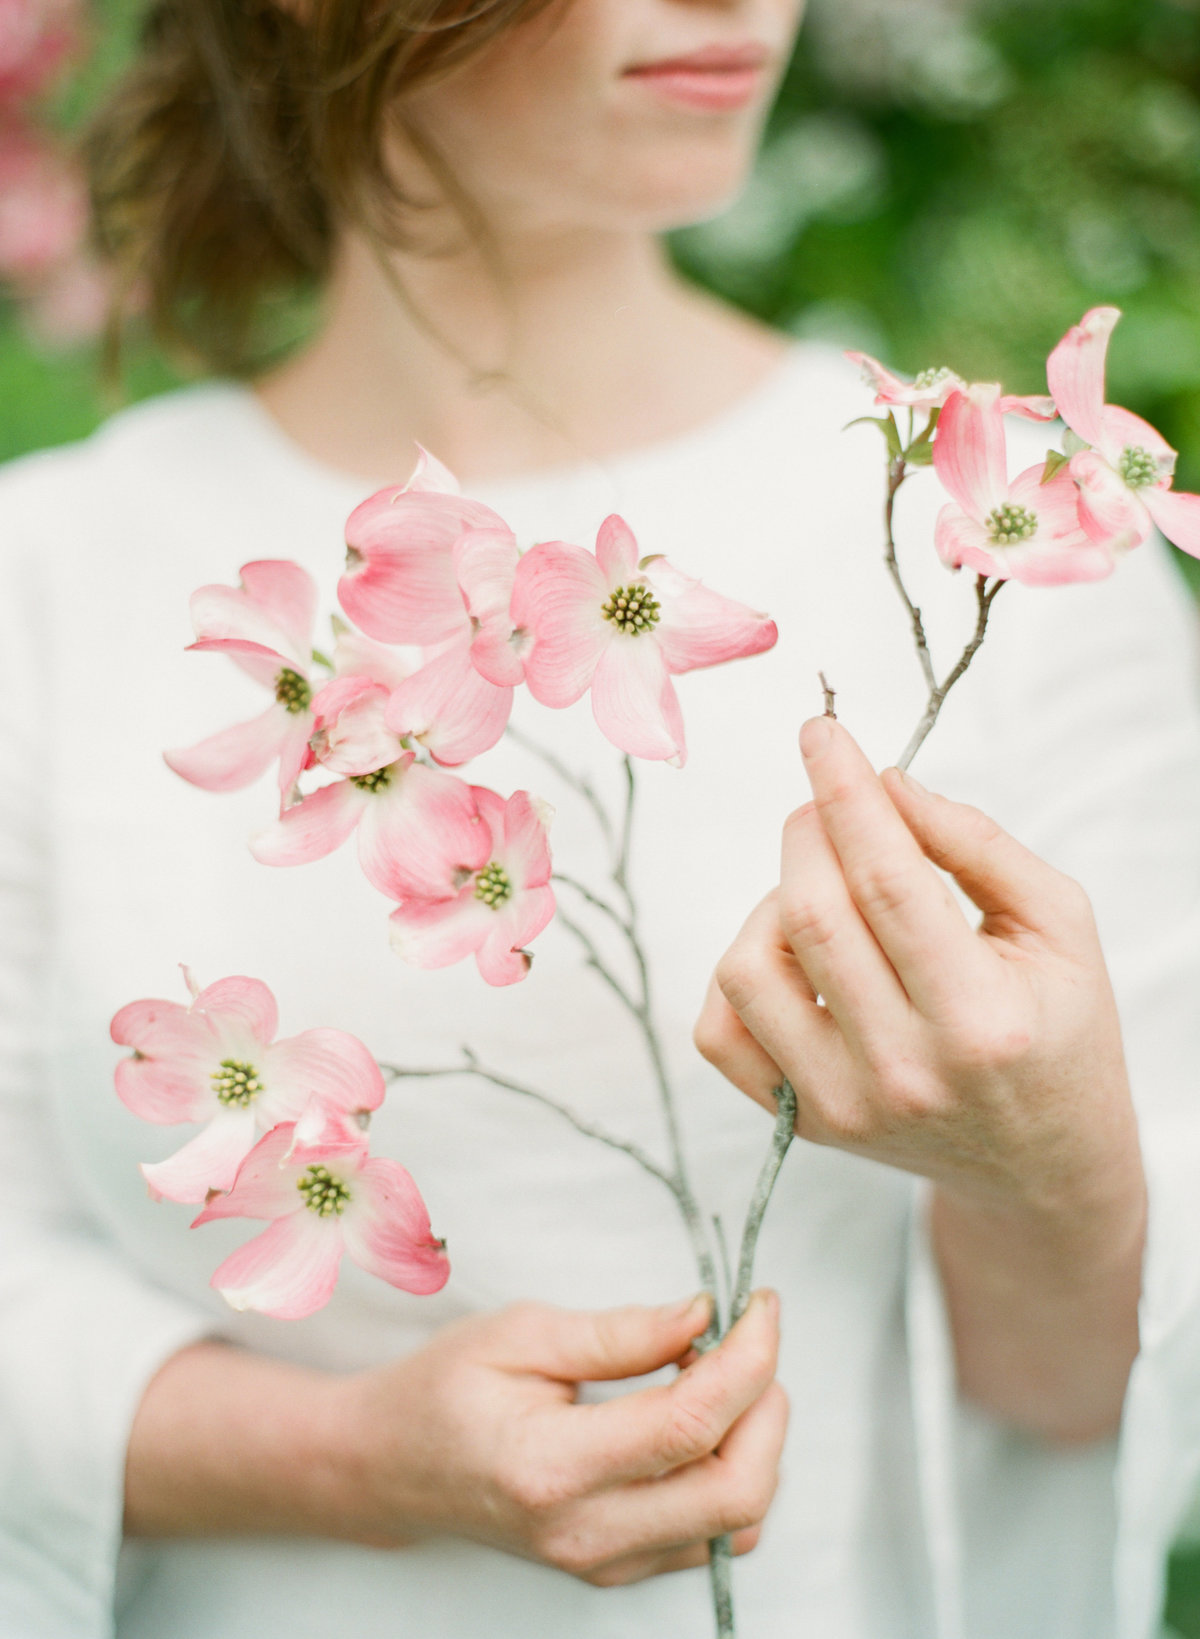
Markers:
point(766, 1299)
point(815, 736)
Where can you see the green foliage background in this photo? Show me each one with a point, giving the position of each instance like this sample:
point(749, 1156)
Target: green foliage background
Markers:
point(944, 182)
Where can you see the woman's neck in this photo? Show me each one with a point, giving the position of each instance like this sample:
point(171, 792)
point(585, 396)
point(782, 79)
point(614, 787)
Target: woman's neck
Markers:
point(583, 347)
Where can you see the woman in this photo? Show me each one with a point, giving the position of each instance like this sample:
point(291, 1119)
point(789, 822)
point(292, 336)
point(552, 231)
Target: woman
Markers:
point(476, 191)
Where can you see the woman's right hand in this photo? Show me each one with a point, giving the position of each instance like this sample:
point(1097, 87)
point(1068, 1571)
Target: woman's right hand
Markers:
point(480, 1434)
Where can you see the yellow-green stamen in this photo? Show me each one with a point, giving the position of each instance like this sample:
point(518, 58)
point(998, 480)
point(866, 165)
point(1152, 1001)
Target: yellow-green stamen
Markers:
point(292, 691)
point(236, 1083)
point(1010, 524)
point(631, 609)
point(1138, 467)
point(323, 1193)
point(493, 886)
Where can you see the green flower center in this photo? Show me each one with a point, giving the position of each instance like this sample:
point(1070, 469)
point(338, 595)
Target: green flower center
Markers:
point(1138, 467)
point(323, 1193)
point(492, 885)
point(236, 1083)
point(933, 378)
point(631, 609)
point(292, 691)
point(1010, 524)
point(379, 780)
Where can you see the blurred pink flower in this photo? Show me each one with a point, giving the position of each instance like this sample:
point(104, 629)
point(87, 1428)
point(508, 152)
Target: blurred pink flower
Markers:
point(69, 304)
point(265, 627)
point(35, 37)
point(43, 207)
point(498, 909)
point(622, 628)
point(217, 1061)
point(1026, 530)
point(416, 825)
point(1126, 475)
point(325, 1197)
point(932, 388)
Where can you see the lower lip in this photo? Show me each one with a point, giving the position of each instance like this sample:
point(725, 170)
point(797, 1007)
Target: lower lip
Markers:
point(710, 91)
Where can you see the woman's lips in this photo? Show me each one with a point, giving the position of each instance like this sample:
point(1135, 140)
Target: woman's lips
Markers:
point(718, 79)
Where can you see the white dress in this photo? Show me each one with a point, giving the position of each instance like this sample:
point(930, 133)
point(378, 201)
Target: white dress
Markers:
point(902, 1515)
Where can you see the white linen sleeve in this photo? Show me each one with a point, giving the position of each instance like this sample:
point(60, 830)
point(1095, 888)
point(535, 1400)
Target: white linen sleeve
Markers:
point(1091, 709)
point(80, 1331)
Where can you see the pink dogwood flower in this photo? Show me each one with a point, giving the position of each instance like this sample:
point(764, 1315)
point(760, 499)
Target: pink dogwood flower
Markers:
point(1026, 529)
point(325, 1197)
point(415, 825)
point(217, 1061)
point(623, 628)
point(35, 37)
point(1127, 473)
point(43, 208)
point(265, 627)
point(932, 388)
point(498, 909)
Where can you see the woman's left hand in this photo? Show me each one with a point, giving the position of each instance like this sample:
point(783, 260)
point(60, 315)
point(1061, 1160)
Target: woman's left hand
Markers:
point(987, 1059)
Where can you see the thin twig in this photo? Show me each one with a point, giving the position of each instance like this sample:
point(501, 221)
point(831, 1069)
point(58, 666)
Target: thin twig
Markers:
point(898, 475)
point(597, 963)
point(723, 1248)
point(595, 899)
point(830, 696)
point(785, 1129)
point(937, 697)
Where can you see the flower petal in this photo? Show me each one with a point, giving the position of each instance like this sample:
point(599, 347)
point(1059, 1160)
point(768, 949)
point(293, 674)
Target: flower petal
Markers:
point(288, 1272)
point(634, 700)
point(1178, 516)
point(312, 828)
point(963, 543)
point(265, 1186)
point(434, 933)
point(420, 833)
point(208, 1161)
point(485, 562)
point(386, 1230)
point(699, 627)
point(970, 452)
point(241, 1008)
point(526, 847)
point(1061, 553)
point(329, 1065)
point(1035, 408)
point(287, 595)
point(431, 477)
point(502, 958)
point(557, 598)
point(1122, 430)
point(892, 389)
point(258, 661)
point(450, 707)
point(616, 551)
point(352, 736)
point(1110, 512)
point(355, 655)
point(234, 757)
point(170, 1077)
point(1075, 372)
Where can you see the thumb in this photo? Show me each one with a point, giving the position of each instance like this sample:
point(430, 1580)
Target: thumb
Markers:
point(600, 1345)
point(1008, 883)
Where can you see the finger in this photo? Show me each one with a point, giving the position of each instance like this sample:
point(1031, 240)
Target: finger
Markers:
point(654, 1430)
point(907, 907)
point(831, 941)
point(1013, 888)
point(576, 1346)
point(722, 1038)
point(728, 1491)
point(619, 1573)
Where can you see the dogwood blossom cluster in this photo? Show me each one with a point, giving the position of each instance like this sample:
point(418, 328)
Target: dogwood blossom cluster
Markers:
point(282, 1138)
point(449, 619)
point(43, 197)
point(1069, 518)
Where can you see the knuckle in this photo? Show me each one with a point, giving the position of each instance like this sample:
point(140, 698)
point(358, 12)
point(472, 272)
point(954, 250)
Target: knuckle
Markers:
point(610, 1576)
point(739, 977)
point(572, 1551)
point(882, 888)
point(993, 1044)
point(806, 922)
point(907, 1094)
point(692, 1429)
point(710, 1036)
point(537, 1490)
point(745, 1502)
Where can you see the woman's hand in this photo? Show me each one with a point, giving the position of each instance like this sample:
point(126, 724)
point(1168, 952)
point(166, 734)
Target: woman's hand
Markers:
point(479, 1435)
point(988, 1060)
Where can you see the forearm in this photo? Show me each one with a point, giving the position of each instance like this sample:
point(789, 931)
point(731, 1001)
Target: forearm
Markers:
point(1043, 1308)
point(226, 1442)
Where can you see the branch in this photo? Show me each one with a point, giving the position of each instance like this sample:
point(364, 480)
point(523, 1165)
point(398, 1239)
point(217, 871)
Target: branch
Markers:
point(937, 697)
point(585, 892)
point(898, 475)
point(785, 1129)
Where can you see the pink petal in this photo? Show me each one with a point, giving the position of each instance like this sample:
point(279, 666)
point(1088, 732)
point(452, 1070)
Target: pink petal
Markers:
point(1178, 516)
point(502, 958)
point(491, 807)
point(208, 1161)
point(352, 736)
point(435, 933)
point(420, 833)
point(557, 598)
point(283, 622)
point(312, 828)
point(634, 701)
point(1036, 408)
point(400, 586)
point(287, 595)
point(970, 452)
point(699, 627)
point(1061, 553)
point(258, 661)
point(296, 753)
point(386, 1230)
point(1075, 372)
point(265, 1186)
point(526, 847)
point(616, 551)
point(486, 564)
point(166, 1091)
point(892, 389)
point(289, 1271)
point(1110, 512)
point(963, 543)
point(355, 655)
point(431, 477)
point(239, 1008)
point(1122, 430)
point(450, 708)
point(328, 1065)
point(235, 757)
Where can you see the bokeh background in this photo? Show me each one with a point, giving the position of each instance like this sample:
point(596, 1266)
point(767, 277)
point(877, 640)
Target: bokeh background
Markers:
point(944, 182)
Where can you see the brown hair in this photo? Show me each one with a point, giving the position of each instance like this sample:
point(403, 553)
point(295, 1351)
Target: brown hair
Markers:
point(243, 134)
